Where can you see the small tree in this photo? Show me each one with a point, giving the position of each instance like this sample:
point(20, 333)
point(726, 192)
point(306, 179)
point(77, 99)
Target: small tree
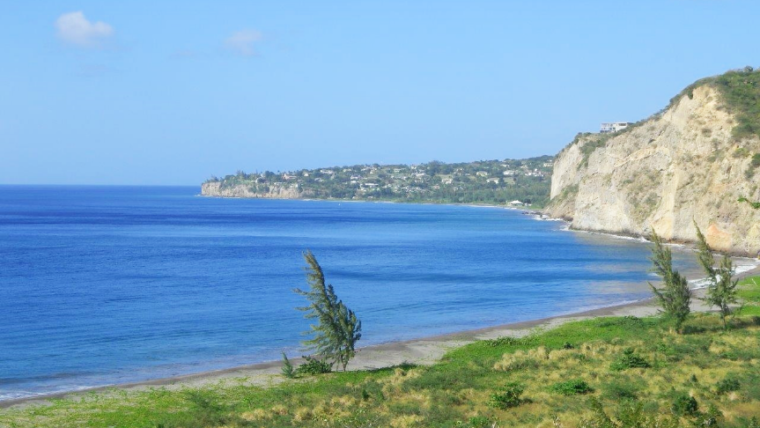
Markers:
point(674, 297)
point(337, 329)
point(287, 367)
point(721, 288)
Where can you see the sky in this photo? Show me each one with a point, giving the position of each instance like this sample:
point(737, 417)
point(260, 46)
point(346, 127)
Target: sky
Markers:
point(172, 92)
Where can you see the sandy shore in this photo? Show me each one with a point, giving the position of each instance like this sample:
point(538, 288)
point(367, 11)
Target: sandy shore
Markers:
point(419, 351)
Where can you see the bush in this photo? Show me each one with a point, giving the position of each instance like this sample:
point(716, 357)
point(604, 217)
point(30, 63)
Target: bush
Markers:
point(629, 360)
point(572, 387)
point(509, 398)
point(728, 384)
point(287, 367)
point(313, 366)
point(620, 391)
point(685, 404)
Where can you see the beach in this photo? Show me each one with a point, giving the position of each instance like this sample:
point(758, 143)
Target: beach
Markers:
point(425, 351)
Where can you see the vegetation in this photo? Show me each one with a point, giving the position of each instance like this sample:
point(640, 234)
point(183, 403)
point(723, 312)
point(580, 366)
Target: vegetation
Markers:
point(741, 94)
point(740, 91)
point(337, 329)
point(472, 386)
point(572, 387)
point(675, 296)
point(755, 205)
point(721, 287)
point(508, 398)
point(287, 367)
point(483, 182)
point(590, 147)
point(629, 360)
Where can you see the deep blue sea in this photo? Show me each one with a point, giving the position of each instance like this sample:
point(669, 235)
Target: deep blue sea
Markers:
point(106, 285)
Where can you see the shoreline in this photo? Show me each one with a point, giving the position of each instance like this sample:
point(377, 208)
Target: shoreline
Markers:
point(526, 210)
point(422, 351)
point(539, 212)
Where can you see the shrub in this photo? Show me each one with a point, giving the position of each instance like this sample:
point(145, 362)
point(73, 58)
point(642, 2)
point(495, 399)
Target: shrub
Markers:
point(620, 391)
point(756, 160)
point(509, 398)
point(479, 422)
point(728, 384)
point(572, 387)
point(685, 404)
point(287, 367)
point(503, 341)
point(629, 360)
point(313, 366)
point(741, 152)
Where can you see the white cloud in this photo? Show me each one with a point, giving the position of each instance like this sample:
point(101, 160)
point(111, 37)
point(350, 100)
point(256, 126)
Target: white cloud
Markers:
point(243, 42)
point(74, 28)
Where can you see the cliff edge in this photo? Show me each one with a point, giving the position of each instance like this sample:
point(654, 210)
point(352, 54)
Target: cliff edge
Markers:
point(691, 162)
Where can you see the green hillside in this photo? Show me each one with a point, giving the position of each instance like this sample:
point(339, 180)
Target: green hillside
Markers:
point(482, 182)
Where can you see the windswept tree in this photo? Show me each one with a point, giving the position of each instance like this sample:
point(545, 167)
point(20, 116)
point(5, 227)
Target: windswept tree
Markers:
point(337, 329)
point(721, 287)
point(674, 297)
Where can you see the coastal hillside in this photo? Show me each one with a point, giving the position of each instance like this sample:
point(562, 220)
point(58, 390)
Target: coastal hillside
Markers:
point(482, 182)
point(697, 160)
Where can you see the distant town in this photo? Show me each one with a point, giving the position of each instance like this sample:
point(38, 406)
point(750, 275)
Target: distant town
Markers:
point(514, 182)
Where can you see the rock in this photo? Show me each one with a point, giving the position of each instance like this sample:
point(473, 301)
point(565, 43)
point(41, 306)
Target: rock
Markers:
point(675, 168)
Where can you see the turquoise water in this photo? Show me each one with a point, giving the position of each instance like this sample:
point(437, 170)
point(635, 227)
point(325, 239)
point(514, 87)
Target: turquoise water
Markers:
point(105, 285)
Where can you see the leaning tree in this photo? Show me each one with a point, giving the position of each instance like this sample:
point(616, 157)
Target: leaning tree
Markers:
point(336, 331)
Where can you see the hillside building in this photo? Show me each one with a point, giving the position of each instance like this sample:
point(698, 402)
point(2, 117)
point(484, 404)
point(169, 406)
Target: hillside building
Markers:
point(613, 127)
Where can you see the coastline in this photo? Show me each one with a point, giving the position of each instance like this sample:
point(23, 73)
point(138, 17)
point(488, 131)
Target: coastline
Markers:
point(539, 212)
point(422, 351)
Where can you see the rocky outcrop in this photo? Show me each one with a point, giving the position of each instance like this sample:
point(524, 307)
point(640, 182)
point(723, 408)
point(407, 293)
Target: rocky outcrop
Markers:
point(680, 166)
point(218, 189)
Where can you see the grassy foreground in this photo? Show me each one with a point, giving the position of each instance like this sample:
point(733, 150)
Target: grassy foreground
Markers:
point(604, 372)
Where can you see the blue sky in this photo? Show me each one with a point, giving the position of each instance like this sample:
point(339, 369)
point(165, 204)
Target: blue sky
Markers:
point(171, 92)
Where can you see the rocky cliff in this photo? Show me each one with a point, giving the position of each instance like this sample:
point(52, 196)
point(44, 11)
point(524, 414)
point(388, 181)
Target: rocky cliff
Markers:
point(691, 162)
point(218, 189)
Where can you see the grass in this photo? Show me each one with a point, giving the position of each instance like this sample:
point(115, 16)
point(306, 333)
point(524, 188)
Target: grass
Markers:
point(566, 376)
point(749, 293)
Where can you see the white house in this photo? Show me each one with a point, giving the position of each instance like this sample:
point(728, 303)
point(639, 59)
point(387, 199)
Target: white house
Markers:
point(493, 180)
point(613, 127)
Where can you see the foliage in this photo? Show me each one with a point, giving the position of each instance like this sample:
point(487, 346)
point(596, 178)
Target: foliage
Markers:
point(684, 404)
point(337, 329)
point(729, 384)
point(741, 94)
point(313, 366)
point(629, 360)
point(287, 367)
point(591, 146)
point(509, 397)
point(675, 297)
point(755, 205)
point(572, 387)
point(721, 288)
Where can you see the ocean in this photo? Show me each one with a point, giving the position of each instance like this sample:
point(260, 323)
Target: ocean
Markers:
point(109, 285)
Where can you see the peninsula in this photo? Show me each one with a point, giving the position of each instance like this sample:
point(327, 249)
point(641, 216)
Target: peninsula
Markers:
point(497, 182)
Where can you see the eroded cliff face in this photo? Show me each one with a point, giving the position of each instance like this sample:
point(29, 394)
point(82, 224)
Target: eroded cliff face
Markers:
point(676, 168)
point(215, 188)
